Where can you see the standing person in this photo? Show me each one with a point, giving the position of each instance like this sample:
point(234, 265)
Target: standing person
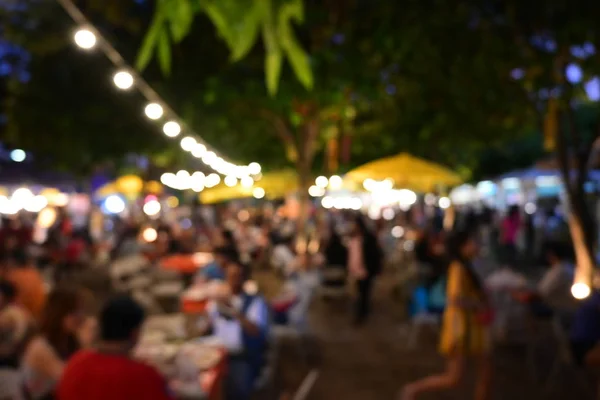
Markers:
point(465, 329)
point(336, 261)
point(109, 372)
point(509, 232)
point(44, 359)
point(241, 321)
point(365, 259)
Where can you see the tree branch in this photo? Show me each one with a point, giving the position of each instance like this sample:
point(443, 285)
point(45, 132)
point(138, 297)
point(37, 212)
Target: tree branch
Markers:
point(280, 126)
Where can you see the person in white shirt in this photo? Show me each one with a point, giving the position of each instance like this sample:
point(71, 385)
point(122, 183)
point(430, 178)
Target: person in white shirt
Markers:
point(241, 322)
point(283, 257)
point(553, 292)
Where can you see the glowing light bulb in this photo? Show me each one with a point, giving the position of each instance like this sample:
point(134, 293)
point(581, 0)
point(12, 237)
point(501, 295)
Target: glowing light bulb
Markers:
point(18, 155)
point(172, 129)
point(444, 202)
point(316, 191)
point(212, 180)
point(188, 143)
point(580, 290)
point(154, 111)
point(230, 180)
point(149, 235)
point(114, 204)
point(85, 39)
point(254, 168)
point(198, 150)
point(321, 181)
point(258, 193)
point(327, 202)
point(247, 182)
point(209, 157)
point(123, 80)
point(335, 182)
point(152, 208)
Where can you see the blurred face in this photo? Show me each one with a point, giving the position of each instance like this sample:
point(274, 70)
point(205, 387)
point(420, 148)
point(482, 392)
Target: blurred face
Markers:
point(470, 248)
point(234, 277)
point(74, 321)
point(221, 260)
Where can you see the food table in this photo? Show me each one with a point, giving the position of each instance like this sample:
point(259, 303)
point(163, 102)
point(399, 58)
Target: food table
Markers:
point(186, 263)
point(195, 299)
point(195, 367)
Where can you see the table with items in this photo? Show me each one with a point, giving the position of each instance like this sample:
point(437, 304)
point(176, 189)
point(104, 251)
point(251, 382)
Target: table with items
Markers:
point(194, 366)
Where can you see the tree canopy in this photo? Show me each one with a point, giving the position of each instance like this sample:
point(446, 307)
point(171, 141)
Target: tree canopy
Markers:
point(416, 76)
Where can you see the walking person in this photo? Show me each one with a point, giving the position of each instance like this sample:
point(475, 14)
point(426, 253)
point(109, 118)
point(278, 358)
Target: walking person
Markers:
point(465, 329)
point(365, 259)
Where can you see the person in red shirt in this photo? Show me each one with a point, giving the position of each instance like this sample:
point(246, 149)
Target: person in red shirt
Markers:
point(109, 372)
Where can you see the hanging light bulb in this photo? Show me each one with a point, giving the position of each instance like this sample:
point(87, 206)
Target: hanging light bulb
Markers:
point(212, 180)
point(198, 150)
point(247, 181)
point(188, 143)
point(123, 80)
point(172, 129)
point(209, 157)
point(258, 193)
point(154, 111)
point(254, 168)
point(85, 39)
point(230, 181)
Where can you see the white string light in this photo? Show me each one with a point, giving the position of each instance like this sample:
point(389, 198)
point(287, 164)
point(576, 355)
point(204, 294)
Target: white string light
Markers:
point(172, 129)
point(188, 143)
point(88, 37)
point(154, 111)
point(123, 80)
point(85, 39)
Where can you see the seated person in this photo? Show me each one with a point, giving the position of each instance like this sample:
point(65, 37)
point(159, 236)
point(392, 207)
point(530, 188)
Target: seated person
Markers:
point(241, 321)
point(45, 356)
point(109, 372)
point(216, 269)
point(29, 284)
point(585, 331)
point(553, 292)
point(15, 329)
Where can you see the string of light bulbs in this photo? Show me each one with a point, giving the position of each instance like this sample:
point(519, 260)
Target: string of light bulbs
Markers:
point(87, 37)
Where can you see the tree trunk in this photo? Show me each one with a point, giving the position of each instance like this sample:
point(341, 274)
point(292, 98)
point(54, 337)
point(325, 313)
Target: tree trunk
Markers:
point(306, 145)
point(581, 223)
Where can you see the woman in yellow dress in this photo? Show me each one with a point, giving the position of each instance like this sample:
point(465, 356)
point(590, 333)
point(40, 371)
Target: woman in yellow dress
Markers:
point(465, 329)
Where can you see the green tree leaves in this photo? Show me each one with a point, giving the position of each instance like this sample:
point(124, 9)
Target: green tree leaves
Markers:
point(238, 23)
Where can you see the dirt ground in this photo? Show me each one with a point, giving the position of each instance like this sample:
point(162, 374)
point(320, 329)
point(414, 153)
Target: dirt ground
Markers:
point(374, 361)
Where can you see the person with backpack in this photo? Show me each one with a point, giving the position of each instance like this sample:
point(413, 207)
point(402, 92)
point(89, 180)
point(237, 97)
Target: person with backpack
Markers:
point(365, 261)
point(241, 321)
point(465, 327)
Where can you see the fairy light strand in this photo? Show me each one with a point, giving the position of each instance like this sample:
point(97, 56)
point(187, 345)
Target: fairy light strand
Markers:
point(173, 125)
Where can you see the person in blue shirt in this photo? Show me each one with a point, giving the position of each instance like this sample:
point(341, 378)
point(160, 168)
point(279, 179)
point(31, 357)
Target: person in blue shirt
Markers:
point(241, 322)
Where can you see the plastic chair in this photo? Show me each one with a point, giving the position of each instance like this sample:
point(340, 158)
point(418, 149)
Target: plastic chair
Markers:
point(425, 315)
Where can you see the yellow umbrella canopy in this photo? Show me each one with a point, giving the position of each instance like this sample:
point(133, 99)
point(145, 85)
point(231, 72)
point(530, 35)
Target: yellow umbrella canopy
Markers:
point(107, 190)
point(129, 184)
point(407, 172)
point(154, 187)
point(275, 184)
